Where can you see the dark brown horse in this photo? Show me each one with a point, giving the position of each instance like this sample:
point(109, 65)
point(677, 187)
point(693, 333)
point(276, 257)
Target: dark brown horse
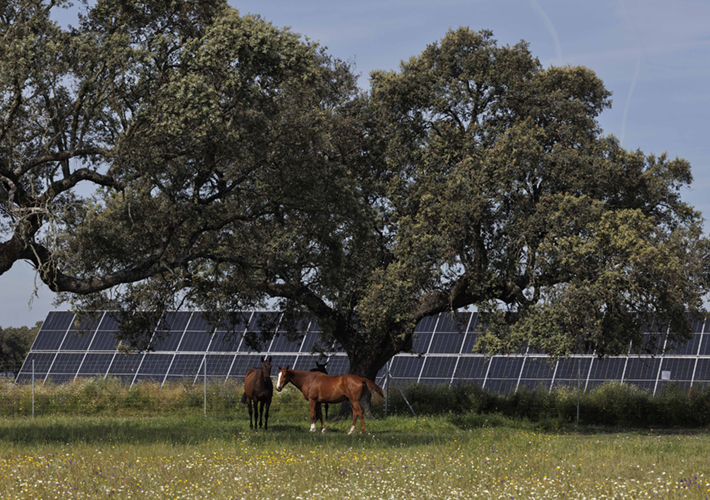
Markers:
point(319, 388)
point(258, 388)
point(320, 367)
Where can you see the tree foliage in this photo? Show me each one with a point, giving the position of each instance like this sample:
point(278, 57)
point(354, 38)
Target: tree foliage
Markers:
point(236, 163)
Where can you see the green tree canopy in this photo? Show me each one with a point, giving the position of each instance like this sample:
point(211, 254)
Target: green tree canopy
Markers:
point(198, 132)
point(490, 184)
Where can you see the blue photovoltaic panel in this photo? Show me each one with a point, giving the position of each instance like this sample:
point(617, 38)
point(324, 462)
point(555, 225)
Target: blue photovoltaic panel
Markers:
point(446, 343)
point(185, 365)
point(282, 344)
point(452, 323)
point(650, 343)
point(166, 340)
point(538, 367)
point(307, 362)
point(607, 368)
point(103, 340)
point(223, 341)
point(125, 364)
point(48, 340)
point(679, 368)
point(177, 321)
point(338, 365)
point(439, 367)
point(58, 321)
point(194, 341)
point(698, 323)
point(95, 364)
point(155, 364)
point(264, 321)
point(87, 324)
point(42, 362)
point(219, 364)
point(427, 324)
point(702, 370)
point(77, 341)
point(572, 368)
point(108, 323)
point(421, 342)
point(501, 386)
point(507, 367)
point(66, 363)
point(641, 369)
point(469, 342)
point(705, 344)
point(242, 363)
point(406, 367)
point(471, 368)
point(690, 347)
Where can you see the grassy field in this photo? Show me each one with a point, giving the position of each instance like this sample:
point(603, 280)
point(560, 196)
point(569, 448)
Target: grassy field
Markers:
point(445, 457)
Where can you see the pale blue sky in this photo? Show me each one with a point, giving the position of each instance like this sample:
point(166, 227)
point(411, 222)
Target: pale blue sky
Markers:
point(653, 55)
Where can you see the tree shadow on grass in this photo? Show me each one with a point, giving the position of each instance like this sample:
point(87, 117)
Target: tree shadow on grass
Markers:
point(197, 430)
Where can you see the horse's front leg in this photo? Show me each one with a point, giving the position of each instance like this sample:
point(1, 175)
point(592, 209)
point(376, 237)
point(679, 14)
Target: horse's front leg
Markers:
point(251, 426)
point(261, 411)
point(312, 405)
point(319, 414)
point(266, 415)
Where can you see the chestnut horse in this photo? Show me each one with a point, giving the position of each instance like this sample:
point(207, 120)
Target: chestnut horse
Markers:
point(319, 388)
point(258, 388)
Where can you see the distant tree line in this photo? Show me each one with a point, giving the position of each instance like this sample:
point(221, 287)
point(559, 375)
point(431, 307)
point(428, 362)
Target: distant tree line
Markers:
point(15, 343)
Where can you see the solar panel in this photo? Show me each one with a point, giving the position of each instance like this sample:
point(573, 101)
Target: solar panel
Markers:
point(438, 367)
point(218, 365)
point(640, 369)
point(77, 341)
point(680, 369)
point(95, 364)
point(607, 368)
point(185, 343)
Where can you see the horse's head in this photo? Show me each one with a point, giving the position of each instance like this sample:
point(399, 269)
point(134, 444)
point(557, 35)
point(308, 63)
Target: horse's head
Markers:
point(284, 378)
point(266, 365)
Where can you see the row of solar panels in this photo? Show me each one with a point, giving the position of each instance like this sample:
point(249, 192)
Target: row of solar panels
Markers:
point(187, 350)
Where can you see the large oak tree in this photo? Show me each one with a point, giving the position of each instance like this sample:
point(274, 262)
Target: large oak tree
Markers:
point(238, 164)
point(489, 183)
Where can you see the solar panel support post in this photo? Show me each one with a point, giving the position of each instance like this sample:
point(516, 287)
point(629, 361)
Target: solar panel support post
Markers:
point(389, 377)
point(387, 386)
point(205, 389)
point(579, 385)
point(33, 388)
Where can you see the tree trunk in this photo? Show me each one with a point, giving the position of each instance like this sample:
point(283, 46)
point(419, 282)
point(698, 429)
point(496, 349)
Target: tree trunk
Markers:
point(366, 367)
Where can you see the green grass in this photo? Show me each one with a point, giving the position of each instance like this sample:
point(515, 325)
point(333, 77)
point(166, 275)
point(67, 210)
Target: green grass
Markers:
point(464, 456)
point(99, 438)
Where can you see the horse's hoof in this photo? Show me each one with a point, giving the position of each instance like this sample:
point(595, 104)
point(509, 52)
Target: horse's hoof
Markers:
point(323, 430)
point(352, 429)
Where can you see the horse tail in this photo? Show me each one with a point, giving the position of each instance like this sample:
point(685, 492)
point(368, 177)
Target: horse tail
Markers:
point(373, 387)
point(244, 398)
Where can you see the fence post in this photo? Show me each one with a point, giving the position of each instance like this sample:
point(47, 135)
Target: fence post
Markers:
point(205, 390)
point(33, 388)
point(579, 385)
point(387, 386)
